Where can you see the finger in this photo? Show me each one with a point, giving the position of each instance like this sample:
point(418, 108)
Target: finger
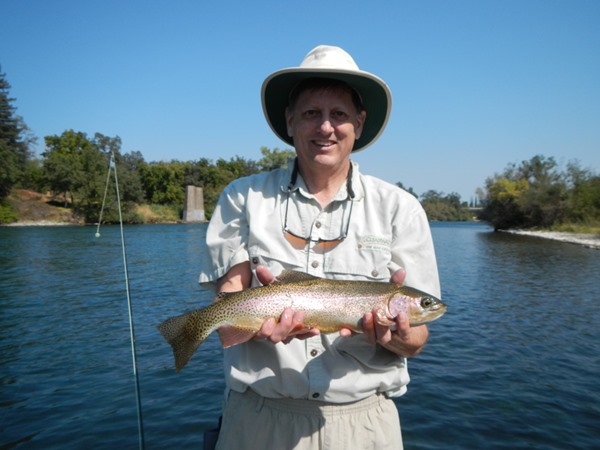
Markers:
point(383, 334)
point(305, 333)
point(299, 330)
point(266, 330)
point(308, 334)
point(298, 326)
point(402, 325)
point(283, 328)
point(346, 332)
point(368, 325)
point(398, 276)
point(264, 275)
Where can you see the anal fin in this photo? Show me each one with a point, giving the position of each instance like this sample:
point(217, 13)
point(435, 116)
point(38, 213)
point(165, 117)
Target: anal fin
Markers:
point(231, 335)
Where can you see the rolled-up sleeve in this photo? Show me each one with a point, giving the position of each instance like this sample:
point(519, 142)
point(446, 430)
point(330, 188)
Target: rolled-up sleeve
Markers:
point(226, 238)
point(413, 250)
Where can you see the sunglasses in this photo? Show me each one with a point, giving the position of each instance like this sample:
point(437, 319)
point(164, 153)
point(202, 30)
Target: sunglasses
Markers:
point(299, 241)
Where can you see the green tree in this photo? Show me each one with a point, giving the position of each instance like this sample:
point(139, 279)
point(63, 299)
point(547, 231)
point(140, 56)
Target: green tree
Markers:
point(502, 203)
point(9, 169)
point(163, 182)
point(76, 166)
point(64, 163)
point(584, 193)
point(544, 202)
point(274, 159)
point(129, 165)
point(15, 141)
point(130, 186)
point(409, 190)
point(441, 207)
point(537, 193)
point(33, 176)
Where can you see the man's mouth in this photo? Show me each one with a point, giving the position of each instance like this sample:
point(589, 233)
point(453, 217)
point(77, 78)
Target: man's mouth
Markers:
point(323, 143)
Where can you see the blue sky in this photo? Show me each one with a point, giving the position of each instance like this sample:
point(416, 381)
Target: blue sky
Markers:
point(476, 84)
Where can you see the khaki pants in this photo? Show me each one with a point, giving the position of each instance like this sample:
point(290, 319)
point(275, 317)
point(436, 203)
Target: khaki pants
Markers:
point(252, 422)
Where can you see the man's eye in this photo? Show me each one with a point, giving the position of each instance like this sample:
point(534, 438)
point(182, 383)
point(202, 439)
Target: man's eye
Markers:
point(308, 114)
point(339, 115)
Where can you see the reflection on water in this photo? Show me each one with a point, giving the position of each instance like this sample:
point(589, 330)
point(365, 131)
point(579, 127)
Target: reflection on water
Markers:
point(513, 364)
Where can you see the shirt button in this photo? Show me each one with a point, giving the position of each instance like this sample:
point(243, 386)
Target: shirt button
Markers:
point(318, 224)
point(316, 395)
point(255, 260)
point(315, 264)
point(314, 353)
point(375, 273)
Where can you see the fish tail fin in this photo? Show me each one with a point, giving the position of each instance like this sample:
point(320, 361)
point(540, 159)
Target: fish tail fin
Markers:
point(179, 333)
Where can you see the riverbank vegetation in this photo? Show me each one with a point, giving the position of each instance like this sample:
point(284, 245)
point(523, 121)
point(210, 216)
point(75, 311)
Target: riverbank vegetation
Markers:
point(67, 183)
point(538, 194)
point(73, 171)
point(72, 174)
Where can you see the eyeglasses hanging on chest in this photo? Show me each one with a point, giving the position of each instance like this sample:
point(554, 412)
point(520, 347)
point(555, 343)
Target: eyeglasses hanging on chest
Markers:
point(298, 240)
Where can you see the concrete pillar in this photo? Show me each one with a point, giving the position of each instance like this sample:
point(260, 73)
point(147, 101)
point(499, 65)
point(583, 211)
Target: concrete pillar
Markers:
point(193, 210)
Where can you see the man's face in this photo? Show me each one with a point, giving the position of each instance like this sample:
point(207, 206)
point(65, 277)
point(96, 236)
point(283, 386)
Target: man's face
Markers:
point(324, 124)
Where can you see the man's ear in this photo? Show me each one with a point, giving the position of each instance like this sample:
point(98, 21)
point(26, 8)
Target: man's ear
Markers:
point(289, 117)
point(360, 123)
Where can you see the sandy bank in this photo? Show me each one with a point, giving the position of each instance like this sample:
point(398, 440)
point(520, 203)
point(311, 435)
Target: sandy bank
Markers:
point(587, 240)
point(38, 223)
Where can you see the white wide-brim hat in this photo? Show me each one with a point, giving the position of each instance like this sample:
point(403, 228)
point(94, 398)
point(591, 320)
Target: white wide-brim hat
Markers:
point(327, 61)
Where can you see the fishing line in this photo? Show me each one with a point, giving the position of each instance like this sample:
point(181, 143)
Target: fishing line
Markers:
point(111, 163)
point(113, 167)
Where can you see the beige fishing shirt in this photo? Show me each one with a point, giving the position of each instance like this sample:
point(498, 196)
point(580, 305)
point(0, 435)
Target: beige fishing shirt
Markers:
point(388, 229)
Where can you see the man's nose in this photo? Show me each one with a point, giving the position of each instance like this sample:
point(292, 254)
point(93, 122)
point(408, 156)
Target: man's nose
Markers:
point(326, 126)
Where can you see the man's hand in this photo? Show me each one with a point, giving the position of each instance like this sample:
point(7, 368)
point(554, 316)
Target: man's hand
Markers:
point(404, 340)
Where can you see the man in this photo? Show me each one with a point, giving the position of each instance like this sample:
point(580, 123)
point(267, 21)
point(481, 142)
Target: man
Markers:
point(291, 387)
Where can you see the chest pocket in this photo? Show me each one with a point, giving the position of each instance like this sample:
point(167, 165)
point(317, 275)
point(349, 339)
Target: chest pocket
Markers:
point(360, 258)
point(277, 257)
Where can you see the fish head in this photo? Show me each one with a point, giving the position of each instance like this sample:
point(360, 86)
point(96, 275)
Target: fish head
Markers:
point(418, 306)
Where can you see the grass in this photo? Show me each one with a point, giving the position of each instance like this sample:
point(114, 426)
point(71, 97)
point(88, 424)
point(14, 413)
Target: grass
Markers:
point(158, 214)
point(29, 206)
point(578, 228)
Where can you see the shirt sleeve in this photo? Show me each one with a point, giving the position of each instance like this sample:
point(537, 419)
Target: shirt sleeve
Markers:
point(226, 238)
point(413, 250)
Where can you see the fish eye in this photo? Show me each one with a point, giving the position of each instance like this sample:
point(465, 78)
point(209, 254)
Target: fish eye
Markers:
point(427, 302)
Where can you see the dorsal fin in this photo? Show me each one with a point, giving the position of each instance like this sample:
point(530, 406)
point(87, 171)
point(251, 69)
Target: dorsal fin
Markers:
point(290, 276)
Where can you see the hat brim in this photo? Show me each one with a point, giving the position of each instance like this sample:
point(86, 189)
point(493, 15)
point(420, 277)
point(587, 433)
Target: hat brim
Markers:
point(376, 98)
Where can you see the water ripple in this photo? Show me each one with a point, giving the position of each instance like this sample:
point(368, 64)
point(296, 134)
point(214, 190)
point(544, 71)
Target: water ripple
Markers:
point(514, 364)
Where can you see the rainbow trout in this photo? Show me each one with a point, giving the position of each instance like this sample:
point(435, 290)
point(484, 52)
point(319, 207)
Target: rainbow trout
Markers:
point(327, 305)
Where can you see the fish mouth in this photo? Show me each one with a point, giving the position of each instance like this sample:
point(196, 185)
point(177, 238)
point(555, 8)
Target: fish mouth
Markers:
point(436, 312)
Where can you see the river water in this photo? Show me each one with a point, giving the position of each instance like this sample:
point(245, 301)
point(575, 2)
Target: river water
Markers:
point(514, 364)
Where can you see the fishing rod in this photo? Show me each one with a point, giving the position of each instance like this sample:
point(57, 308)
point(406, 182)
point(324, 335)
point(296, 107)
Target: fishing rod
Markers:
point(112, 167)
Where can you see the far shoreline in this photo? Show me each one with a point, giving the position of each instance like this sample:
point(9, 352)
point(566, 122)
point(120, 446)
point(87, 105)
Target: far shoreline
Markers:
point(586, 240)
point(41, 223)
point(51, 223)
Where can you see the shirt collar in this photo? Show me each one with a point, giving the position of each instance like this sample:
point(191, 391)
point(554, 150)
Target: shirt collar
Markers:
point(287, 182)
